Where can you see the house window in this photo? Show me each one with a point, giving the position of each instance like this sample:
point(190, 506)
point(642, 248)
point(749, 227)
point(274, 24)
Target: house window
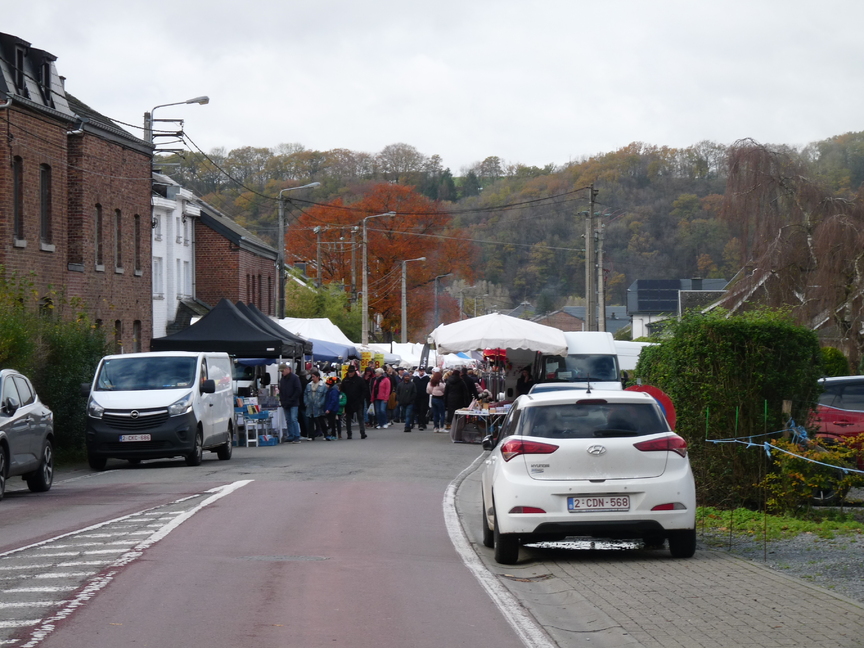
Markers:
point(45, 82)
point(157, 228)
point(158, 278)
point(118, 336)
point(187, 279)
point(45, 233)
point(179, 232)
point(100, 238)
point(251, 297)
point(20, 77)
point(186, 232)
point(178, 279)
point(18, 197)
point(136, 336)
point(136, 219)
point(118, 241)
point(269, 294)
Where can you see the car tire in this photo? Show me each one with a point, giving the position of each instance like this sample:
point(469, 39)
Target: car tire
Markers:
point(96, 463)
point(506, 546)
point(3, 464)
point(40, 481)
point(195, 457)
point(225, 451)
point(488, 534)
point(682, 544)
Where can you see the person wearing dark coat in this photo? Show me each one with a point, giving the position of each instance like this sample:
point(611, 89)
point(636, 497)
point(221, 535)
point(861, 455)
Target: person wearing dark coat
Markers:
point(524, 383)
point(356, 390)
point(455, 394)
point(406, 395)
point(421, 405)
point(470, 387)
point(290, 392)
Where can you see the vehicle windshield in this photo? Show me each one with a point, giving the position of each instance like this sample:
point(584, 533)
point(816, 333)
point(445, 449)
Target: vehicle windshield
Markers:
point(579, 368)
point(134, 374)
point(592, 420)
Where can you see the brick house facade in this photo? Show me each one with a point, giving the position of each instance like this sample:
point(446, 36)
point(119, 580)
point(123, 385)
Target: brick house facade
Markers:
point(233, 263)
point(74, 198)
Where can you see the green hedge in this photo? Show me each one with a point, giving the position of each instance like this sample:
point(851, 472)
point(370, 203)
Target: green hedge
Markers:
point(52, 341)
point(728, 377)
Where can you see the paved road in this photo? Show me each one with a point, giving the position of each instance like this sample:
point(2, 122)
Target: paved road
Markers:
point(423, 577)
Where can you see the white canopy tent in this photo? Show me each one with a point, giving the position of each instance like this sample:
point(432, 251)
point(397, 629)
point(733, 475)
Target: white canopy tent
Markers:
point(319, 328)
point(497, 331)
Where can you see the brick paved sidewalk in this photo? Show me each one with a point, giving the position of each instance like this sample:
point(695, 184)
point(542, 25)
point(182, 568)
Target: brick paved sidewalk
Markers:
point(645, 598)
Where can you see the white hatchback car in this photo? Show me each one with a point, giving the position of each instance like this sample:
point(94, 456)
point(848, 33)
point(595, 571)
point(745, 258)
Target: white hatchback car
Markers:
point(602, 464)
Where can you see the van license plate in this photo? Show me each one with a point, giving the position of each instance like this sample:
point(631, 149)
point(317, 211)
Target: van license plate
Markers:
point(134, 437)
point(597, 504)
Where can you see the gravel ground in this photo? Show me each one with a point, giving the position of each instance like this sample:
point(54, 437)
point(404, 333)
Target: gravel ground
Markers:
point(836, 565)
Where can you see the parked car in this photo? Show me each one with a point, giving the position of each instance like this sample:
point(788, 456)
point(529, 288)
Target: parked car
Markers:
point(601, 464)
point(26, 434)
point(538, 388)
point(840, 410)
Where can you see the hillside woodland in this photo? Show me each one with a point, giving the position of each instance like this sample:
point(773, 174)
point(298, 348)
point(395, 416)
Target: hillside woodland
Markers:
point(775, 219)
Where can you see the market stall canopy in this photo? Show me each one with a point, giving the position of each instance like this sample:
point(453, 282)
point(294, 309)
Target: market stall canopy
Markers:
point(332, 351)
point(257, 317)
point(315, 328)
point(498, 331)
point(228, 330)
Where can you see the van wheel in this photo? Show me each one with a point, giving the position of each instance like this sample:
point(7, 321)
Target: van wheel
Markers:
point(96, 463)
point(224, 451)
point(41, 480)
point(195, 457)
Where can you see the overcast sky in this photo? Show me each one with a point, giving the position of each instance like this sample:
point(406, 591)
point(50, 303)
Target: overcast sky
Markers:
point(530, 82)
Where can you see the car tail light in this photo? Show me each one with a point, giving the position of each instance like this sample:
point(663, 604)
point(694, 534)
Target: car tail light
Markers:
point(515, 447)
point(526, 509)
point(671, 506)
point(673, 443)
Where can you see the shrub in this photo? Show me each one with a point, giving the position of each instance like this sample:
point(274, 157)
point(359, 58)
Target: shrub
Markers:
point(835, 363)
point(728, 377)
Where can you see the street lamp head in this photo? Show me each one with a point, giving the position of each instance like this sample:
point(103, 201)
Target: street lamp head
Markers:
point(199, 100)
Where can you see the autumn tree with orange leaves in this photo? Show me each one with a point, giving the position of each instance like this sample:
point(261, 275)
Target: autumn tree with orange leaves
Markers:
point(420, 228)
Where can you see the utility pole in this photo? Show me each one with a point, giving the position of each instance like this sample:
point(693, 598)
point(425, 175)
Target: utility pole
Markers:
point(317, 231)
point(601, 281)
point(590, 267)
point(354, 265)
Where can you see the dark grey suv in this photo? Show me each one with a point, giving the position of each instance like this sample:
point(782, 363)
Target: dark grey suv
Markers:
point(26, 434)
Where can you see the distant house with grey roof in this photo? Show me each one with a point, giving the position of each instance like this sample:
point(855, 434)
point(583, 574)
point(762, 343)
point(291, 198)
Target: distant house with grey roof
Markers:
point(650, 301)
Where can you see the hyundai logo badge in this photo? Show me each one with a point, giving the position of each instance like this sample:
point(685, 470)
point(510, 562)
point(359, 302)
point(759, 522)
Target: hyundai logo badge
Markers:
point(596, 450)
point(134, 415)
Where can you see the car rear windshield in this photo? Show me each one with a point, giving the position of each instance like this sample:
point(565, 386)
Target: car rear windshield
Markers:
point(134, 374)
point(592, 420)
point(847, 395)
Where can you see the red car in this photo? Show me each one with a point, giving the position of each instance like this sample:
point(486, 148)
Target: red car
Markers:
point(840, 412)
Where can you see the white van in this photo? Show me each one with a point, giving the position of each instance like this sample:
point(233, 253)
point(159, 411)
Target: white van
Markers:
point(591, 360)
point(160, 404)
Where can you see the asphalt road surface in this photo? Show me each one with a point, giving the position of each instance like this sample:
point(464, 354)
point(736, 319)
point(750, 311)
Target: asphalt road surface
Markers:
point(346, 543)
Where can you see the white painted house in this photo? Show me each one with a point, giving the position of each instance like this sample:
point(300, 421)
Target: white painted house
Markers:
point(174, 209)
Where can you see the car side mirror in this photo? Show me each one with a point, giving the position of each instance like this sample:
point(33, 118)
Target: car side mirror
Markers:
point(488, 442)
point(265, 379)
point(10, 406)
point(85, 389)
point(208, 386)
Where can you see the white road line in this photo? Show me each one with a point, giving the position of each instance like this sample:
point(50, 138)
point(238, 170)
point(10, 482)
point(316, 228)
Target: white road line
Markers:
point(60, 554)
point(40, 590)
point(523, 624)
point(19, 623)
point(24, 604)
point(30, 566)
point(95, 585)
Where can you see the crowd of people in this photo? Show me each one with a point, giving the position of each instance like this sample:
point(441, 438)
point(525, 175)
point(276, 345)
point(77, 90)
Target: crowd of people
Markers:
point(379, 398)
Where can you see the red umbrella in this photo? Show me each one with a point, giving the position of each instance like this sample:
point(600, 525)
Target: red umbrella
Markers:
point(662, 399)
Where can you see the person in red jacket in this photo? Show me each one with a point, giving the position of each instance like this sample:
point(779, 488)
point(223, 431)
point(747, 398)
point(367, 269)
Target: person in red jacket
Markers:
point(381, 387)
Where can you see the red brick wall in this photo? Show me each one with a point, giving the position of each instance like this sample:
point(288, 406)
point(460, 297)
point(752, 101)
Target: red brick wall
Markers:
point(86, 170)
point(223, 269)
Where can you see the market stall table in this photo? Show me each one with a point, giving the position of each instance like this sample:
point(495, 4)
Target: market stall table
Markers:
point(471, 425)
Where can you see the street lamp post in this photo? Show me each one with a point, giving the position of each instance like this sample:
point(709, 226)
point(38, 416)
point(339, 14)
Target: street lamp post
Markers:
point(365, 327)
point(405, 299)
point(148, 116)
point(280, 284)
point(436, 296)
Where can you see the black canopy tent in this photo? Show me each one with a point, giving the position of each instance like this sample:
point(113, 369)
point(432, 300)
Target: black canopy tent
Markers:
point(228, 330)
point(257, 317)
